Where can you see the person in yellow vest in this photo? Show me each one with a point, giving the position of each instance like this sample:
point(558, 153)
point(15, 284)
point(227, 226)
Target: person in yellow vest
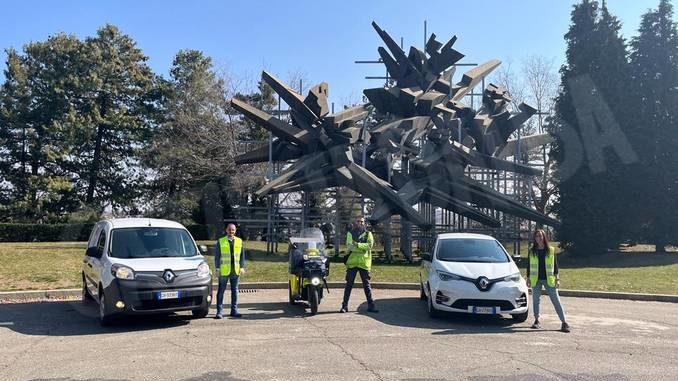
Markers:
point(359, 243)
point(229, 259)
point(542, 270)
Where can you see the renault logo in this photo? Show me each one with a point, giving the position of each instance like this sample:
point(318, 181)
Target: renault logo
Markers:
point(168, 276)
point(483, 283)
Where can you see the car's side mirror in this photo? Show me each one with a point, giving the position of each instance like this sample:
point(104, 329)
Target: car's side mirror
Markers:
point(426, 257)
point(517, 258)
point(93, 252)
point(203, 249)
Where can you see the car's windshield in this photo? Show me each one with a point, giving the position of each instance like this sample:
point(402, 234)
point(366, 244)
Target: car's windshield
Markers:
point(150, 242)
point(471, 250)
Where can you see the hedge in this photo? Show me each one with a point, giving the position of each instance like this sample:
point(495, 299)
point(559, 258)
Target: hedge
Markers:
point(78, 232)
point(44, 232)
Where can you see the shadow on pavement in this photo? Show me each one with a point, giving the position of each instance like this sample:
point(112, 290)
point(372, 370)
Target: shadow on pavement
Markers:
point(411, 312)
point(71, 318)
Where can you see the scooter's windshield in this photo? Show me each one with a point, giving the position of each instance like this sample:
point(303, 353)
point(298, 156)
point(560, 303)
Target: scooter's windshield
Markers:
point(311, 241)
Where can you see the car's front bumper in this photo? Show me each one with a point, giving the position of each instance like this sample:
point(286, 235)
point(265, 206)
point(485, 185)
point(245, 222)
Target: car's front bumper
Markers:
point(142, 295)
point(462, 296)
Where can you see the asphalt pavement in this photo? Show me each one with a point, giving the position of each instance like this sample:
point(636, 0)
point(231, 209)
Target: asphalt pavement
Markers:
point(610, 340)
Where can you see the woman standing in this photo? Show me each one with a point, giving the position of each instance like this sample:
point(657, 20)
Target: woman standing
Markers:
point(543, 270)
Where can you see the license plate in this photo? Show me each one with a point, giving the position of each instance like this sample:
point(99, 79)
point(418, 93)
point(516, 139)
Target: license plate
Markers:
point(168, 295)
point(483, 310)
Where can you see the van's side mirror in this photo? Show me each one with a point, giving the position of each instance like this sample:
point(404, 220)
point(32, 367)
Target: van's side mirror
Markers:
point(517, 258)
point(203, 249)
point(426, 257)
point(93, 252)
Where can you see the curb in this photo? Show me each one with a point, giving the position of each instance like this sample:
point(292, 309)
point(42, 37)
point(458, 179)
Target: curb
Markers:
point(73, 292)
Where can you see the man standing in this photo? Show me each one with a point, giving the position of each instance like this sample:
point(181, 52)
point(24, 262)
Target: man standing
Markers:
point(229, 268)
point(359, 244)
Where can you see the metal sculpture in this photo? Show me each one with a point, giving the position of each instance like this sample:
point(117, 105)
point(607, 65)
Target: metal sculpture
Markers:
point(421, 119)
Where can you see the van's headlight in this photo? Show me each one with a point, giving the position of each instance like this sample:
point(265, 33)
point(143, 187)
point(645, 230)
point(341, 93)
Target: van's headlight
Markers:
point(122, 272)
point(447, 276)
point(203, 270)
point(512, 278)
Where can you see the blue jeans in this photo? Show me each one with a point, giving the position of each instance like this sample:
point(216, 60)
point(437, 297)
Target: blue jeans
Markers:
point(553, 294)
point(223, 281)
point(350, 279)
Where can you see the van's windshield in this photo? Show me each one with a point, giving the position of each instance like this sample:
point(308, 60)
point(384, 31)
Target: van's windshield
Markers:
point(150, 242)
point(471, 250)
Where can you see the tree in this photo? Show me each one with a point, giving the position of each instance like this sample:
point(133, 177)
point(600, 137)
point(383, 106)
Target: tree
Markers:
point(536, 86)
point(197, 143)
point(591, 118)
point(75, 116)
point(37, 109)
point(654, 62)
point(120, 102)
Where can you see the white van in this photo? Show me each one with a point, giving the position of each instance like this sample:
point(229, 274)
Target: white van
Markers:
point(472, 273)
point(145, 266)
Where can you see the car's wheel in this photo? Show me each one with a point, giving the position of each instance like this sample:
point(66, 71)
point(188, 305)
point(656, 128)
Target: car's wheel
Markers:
point(105, 317)
point(200, 313)
point(519, 318)
point(313, 300)
point(86, 298)
point(432, 311)
point(422, 293)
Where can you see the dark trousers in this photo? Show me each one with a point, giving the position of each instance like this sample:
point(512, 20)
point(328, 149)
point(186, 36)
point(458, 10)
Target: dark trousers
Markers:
point(223, 281)
point(350, 279)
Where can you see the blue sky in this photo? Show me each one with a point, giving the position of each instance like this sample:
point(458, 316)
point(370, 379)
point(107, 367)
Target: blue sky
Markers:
point(319, 38)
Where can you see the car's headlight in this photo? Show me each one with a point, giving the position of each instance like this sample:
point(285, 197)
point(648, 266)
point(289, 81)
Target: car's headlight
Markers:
point(203, 270)
point(447, 276)
point(122, 272)
point(512, 278)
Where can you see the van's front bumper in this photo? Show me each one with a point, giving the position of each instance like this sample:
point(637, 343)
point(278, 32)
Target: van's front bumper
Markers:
point(145, 294)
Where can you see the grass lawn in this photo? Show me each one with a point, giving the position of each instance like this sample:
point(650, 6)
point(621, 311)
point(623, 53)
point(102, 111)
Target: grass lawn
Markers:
point(51, 265)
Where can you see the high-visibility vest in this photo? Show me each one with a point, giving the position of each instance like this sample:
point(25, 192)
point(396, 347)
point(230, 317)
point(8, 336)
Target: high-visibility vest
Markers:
point(225, 248)
point(360, 252)
point(549, 260)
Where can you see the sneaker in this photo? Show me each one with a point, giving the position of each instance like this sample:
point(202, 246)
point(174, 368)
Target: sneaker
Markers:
point(565, 328)
point(536, 325)
point(343, 309)
point(236, 315)
point(218, 316)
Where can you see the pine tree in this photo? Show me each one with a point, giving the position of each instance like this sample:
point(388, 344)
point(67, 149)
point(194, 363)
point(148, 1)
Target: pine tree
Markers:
point(654, 61)
point(596, 54)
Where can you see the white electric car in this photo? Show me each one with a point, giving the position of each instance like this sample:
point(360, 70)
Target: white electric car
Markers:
point(472, 273)
point(145, 266)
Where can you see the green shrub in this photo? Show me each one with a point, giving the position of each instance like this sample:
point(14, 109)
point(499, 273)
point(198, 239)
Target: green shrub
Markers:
point(44, 232)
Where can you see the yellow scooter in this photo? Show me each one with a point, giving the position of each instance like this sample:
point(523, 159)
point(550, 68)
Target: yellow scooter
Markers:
point(309, 268)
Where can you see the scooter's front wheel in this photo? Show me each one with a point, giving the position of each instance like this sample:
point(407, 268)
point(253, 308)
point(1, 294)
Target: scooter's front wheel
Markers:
point(313, 299)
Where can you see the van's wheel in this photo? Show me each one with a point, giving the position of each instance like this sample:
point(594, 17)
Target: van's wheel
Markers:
point(200, 313)
point(422, 294)
point(86, 298)
point(105, 318)
point(520, 318)
point(432, 311)
point(313, 300)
